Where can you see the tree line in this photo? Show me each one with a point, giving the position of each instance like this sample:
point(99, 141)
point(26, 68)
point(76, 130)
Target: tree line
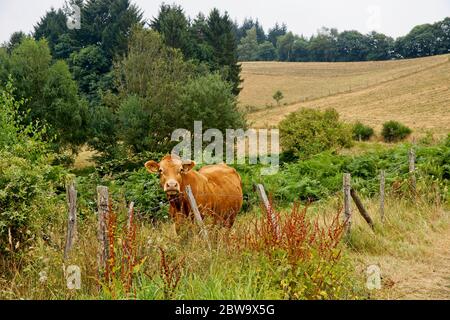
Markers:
point(330, 45)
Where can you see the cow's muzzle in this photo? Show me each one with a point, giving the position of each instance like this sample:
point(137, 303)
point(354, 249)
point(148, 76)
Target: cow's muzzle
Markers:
point(172, 188)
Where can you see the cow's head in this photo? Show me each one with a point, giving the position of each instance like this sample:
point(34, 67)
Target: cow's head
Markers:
point(171, 170)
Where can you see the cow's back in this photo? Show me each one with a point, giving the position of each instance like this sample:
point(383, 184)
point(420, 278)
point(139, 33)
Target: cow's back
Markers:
point(220, 192)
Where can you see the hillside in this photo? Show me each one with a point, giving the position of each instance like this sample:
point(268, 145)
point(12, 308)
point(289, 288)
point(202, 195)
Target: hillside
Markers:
point(415, 92)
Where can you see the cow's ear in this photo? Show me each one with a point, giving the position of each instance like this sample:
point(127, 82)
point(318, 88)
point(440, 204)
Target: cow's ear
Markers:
point(152, 166)
point(188, 165)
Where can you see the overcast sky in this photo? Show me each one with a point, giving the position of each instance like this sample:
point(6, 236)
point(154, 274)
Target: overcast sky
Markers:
point(392, 17)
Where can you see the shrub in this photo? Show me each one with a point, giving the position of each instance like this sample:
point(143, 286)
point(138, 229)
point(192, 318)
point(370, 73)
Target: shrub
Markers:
point(309, 132)
point(362, 132)
point(394, 131)
point(28, 181)
point(278, 96)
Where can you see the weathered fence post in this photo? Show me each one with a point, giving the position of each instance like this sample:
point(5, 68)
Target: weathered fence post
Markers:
point(382, 185)
point(361, 208)
point(265, 200)
point(197, 215)
point(72, 219)
point(412, 169)
point(103, 212)
point(347, 202)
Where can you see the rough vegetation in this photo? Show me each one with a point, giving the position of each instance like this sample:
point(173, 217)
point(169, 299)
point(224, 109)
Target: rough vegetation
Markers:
point(120, 89)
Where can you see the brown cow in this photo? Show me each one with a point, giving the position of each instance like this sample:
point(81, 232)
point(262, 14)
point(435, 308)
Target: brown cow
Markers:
point(216, 188)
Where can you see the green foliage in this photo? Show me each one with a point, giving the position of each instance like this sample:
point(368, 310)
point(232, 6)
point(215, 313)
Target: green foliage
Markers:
point(28, 181)
point(320, 176)
point(332, 45)
point(276, 32)
point(15, 39)
point(278, 96)
point(90, 51)
point(49, 93)
point(150, 80)
point(209, 99)
point(248, 46)
point(362, 132)
point(425, 40)
point(308, 132)
point(50, 27)
point(108, 23)
point(173, 26)
point(266, 51)
point(160, 92)
point(220, 37)
point(394, 131)
point(90, 68)
point(249, 24)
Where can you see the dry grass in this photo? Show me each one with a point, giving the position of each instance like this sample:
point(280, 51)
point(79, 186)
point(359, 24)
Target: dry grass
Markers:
point(84, 158)
point(415, 92)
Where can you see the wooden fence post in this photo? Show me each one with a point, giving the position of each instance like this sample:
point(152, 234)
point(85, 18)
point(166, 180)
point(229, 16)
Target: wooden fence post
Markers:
point(382, 185)
point(72, 219)
point(361, 208)
point(197, 215)
point(347, 202)
point(412, 169)
point(265, 201)
point(103, 212)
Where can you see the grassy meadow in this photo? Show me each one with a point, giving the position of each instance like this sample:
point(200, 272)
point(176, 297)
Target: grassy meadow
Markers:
point(311, 258)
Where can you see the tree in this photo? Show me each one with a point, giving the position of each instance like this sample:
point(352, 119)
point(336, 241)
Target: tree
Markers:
point(276, 32)
point(149, 80)
point(285, 47)
point(247, 25)
point(208, 98)
point(201, 50)
point(103, 37)
point(220, 37)
point(51, 26)
point(173, 26)
point(62, 108)
point(266, 52)
point(65, 46)
point(90, 69)
point(50, 94)
point(107, 23)
point(322, 47)
point(442, 33)
point(351, 46)
point(15, 40)
point(248, 47)
point(278, 96)
point(159, 92)
point(380, 47)
point(300, 49)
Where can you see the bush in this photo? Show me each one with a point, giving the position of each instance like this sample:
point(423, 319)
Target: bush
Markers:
point(394, 131)
point(309, 132)
point(29, 182)
point(362, 132)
